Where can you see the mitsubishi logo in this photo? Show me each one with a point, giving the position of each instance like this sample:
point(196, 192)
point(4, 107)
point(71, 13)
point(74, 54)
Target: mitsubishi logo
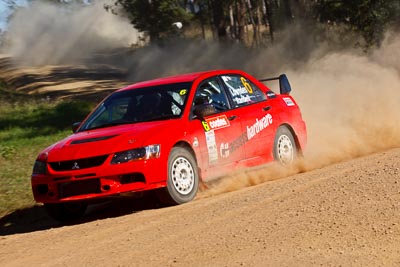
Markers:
point(75, 166)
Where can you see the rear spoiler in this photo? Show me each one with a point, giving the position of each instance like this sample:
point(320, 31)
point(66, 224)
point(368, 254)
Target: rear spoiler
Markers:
point(284, 85)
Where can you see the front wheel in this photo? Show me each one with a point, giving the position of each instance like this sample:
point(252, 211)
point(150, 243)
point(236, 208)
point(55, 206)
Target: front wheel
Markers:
point(65, 212)
point(285, 150)
point(183, 178)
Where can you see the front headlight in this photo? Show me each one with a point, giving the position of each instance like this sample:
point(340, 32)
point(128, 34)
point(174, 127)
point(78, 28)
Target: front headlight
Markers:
point(142, 153)
point(39, 167)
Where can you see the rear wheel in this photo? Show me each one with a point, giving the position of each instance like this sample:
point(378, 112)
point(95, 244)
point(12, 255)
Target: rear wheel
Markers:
point(183, 178)
point(65, 212)
point(285, 150)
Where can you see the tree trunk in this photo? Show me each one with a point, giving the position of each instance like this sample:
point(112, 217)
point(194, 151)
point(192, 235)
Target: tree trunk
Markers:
point(258, 25)
point(218, 19)
point(287, 11)
point(232, 23)
point(241, 20)
point(253, 23)
point(269, 19)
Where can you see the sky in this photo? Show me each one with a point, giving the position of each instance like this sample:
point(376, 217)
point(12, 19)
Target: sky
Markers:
point(7, 7)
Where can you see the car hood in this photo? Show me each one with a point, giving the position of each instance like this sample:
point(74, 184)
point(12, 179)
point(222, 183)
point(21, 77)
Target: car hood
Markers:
point(105, 141)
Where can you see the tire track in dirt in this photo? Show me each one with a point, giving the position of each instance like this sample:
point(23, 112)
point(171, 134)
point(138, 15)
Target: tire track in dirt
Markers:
point(341, 214)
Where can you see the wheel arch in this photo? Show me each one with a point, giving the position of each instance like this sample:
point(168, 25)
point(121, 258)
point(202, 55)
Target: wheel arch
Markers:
point(187, 146)
point(296, 138)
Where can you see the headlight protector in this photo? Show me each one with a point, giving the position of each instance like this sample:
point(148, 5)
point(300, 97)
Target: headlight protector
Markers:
point(142, 153)
point(40, 167)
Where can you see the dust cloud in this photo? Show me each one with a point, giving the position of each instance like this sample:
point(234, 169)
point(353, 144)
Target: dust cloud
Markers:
point(45, 33)
point(183, 56)
point(351, 104)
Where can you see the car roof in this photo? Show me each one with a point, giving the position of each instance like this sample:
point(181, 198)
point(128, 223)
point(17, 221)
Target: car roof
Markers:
point(188, 77)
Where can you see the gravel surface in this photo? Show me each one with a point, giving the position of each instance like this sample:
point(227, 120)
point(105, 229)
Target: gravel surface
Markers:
point(345, 214)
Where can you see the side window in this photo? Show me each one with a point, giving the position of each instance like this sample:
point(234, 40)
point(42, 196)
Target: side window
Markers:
point(242, 90)
point(211, 92)
point(118, 110)
point(108, 113)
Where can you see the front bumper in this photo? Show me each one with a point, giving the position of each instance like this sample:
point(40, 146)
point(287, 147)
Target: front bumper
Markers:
point(98, 182)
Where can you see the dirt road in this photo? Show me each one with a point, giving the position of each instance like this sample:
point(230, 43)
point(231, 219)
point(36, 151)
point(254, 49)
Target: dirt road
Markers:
point(346, 214)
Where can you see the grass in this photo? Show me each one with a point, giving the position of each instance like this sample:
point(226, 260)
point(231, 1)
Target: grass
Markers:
point(27, 126)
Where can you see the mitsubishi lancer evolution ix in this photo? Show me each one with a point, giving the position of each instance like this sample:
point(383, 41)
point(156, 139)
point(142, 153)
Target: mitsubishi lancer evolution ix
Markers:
point(169, 135)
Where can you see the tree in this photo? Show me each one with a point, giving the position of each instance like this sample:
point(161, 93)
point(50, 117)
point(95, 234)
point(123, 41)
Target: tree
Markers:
point(230, 20)
point(219, 11)
point(155, 17)
point(368, 17)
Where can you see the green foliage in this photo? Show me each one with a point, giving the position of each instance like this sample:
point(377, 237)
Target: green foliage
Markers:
point(368, 17)
point(227, 18)
point(41, 118)
point(155, 17)
point(27, 126)
point(16, 161)
point(7, 151)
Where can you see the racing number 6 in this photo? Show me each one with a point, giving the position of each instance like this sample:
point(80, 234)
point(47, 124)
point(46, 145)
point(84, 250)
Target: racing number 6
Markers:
point(205, 126)
point(246, 85)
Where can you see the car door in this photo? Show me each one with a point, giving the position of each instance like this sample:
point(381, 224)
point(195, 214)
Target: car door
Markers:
point(257, 115)
point(216, 133)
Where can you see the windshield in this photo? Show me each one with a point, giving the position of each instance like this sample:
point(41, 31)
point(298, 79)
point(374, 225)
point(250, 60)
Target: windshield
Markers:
point(140, 105)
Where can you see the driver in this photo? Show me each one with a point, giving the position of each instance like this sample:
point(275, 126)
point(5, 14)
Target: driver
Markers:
point(148, 107)
point(208, 94)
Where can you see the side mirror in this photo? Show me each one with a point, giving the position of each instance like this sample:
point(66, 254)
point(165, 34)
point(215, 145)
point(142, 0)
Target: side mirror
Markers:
point(75, 126)
point(284, 85)
point(204, 110)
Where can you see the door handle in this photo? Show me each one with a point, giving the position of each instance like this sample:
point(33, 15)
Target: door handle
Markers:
point(231, 118)
point(267, 108)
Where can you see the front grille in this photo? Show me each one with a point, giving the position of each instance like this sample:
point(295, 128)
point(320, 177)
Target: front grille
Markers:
point(76, 188)
point(78, 164)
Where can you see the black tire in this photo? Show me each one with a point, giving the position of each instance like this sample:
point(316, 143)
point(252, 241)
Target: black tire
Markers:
point(66, 212)
point(285, 150)
point(183, 178)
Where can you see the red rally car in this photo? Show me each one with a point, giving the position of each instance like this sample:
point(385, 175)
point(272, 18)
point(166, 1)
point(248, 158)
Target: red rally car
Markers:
point(169, 134)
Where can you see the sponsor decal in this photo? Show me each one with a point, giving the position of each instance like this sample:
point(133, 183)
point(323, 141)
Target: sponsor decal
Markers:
point(212, 147)
point(237, 143)
point(215, 123)
point(259, 126)
point(195, 142)
point(289, 102)
point(224, 150)
point(242, 99)
point(227, 149)
point(240, 94)
point(236, 92)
